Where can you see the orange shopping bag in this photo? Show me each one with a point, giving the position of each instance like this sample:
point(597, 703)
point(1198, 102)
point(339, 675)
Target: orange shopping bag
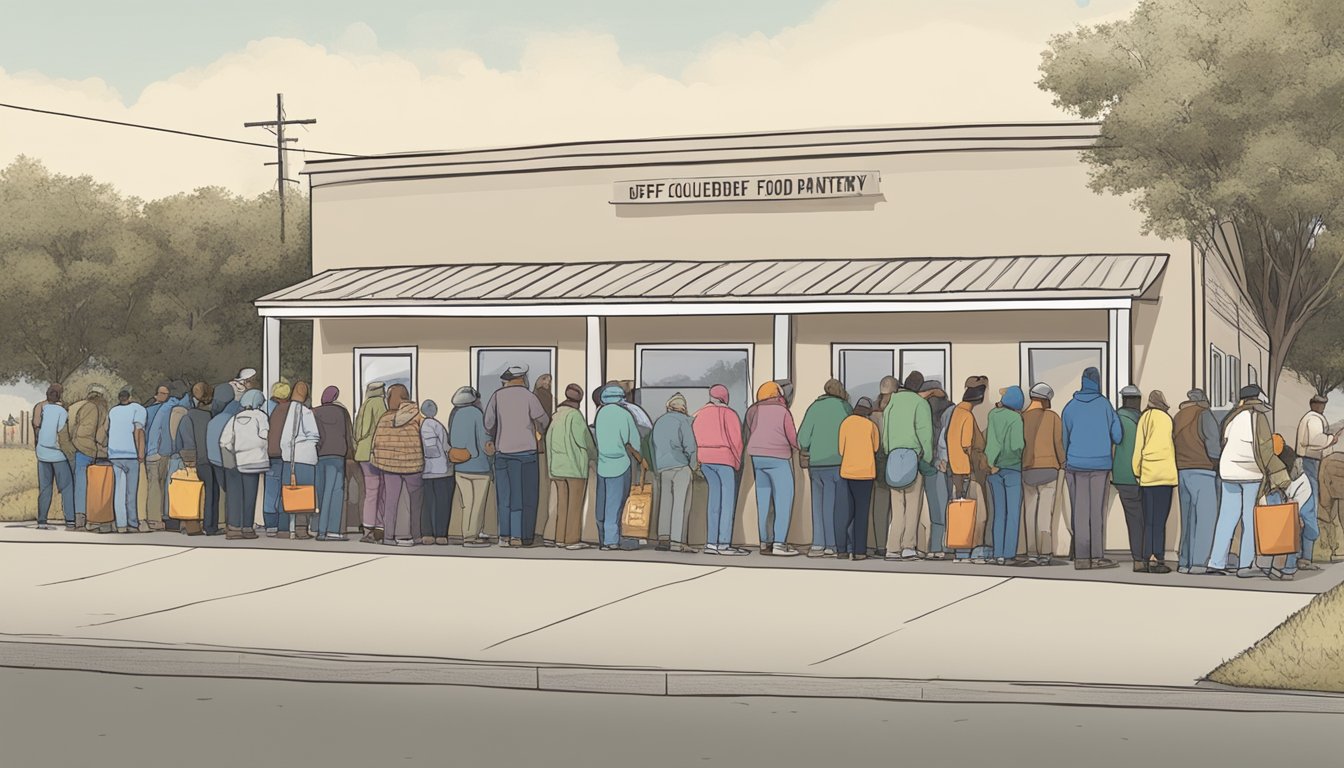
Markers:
point(961, 524)
point(1278, 529)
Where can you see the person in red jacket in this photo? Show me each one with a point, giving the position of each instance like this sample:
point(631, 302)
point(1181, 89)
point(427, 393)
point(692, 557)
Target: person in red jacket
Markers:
point(718, 440)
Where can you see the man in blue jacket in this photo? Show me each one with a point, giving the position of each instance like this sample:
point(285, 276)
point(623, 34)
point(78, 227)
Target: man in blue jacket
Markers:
point(1091, 430)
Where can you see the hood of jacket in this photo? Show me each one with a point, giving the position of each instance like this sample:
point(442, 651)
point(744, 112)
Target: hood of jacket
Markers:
point(406, 413)
point(1013, 398)
point(1091, 390)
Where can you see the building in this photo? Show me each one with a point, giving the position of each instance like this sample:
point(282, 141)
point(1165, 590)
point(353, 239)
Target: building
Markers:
point(676, 263)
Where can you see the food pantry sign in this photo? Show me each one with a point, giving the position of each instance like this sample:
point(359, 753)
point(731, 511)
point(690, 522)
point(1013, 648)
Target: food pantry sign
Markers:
point(727, 189)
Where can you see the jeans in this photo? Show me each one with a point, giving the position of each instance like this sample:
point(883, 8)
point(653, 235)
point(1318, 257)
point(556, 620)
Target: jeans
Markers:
point(516, 493)
point(611, 495)
point(373, 495)
point(271, 514)
point(1198, 489)
point(330, 493)
point(826, 499)
point(59, 472)
point(209, 477)
point(393, 485)
point(1006, 487)
point(1237, 505)
point(936, 496)
point(437, 506)
point(1087, 496)
point(674, 502)
point(774, 482)
point(240, 489)
point(1156, 509)
point(722, 482)
point(82, 463)
point(1311, 528)
point(851, 517)
point(1131, 503)
point(125, 499)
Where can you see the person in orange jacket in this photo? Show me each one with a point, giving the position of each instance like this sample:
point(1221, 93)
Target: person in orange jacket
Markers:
point(859, 443)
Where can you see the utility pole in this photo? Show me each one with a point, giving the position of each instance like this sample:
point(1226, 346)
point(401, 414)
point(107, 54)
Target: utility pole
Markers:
point(277, 127)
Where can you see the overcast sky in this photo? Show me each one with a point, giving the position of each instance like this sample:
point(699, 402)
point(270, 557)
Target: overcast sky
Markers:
point(416, 74)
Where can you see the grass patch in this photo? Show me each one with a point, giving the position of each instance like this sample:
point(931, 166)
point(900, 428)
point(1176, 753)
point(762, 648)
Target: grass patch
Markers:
point(1306, 652)
point(18, 484)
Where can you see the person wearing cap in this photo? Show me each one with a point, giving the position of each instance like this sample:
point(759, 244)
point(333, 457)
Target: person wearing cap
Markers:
point(674, 461)
point(514, 418)
point(617, 444)
point(859, 443)
point(1123, 476)
point(1154, 465)
point(570, 451)
point(907, 438)
point(1043, 434)
point(87, 428)
point(245, 454)
point(1091, 429)
point(335, 446)
point(1004, 445)
point(967, 464)
point(1314, 441)
point(466, 434)
point(819, 443)
point(937, 488)
point(1198, 444)
point(371, 410)
point(192, 446)
point(718, 447)
point(1246, 463)
point(771, 438)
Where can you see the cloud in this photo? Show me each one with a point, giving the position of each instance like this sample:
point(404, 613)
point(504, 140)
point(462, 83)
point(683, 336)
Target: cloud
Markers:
point(856, 62)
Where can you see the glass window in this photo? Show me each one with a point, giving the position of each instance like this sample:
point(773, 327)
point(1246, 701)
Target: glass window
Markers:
point(390, 365)
point(862, 371)
point(1233, 378)
point(490, 362)
point(1252, 377)
point(930, 361)
point(664, 371)
point(1217, 393)
point(1061, 366)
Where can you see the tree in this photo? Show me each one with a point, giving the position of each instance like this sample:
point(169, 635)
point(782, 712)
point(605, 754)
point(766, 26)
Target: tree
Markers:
point(1225, 120)
point(73, 266)
point(1318, 354)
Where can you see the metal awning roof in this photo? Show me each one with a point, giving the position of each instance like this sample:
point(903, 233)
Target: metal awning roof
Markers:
point(1076, 276)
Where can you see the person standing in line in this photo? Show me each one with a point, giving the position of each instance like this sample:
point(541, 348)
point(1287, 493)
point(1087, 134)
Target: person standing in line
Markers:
point(1314, 440)
point(617, 445)
point(1004, 445)
point(371, 411)
point(907, 433)
point(967, 465)
point(1043, 434)
point(1122, 473)
point(400, 456)
point(245, 452)
point(570, 450)
point(879, 513)
point(544, 389)
point(438, 475)
point(514, 418)
point(771, 440)
point(225, 476)
point(859, 443)
point(937, 489)
point(156, 463)
point(674, 455)
point(126, 450)
point(1328, 514)
point(193, 440)
point(718, 440)
point(1298, 491)
point(88, 436)
point(1198, 445)
point(1154, 465)
point(50, 420)
point(298, 451)
point(466, 433)
point(334, 447)
point(1247, 459)
point(819, 441)
point(1091, 429)
point(277, 410)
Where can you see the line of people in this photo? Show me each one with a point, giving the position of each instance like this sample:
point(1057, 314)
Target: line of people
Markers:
point(901, 460)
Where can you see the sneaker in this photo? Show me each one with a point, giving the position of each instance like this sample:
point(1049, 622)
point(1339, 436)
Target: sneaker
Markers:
point(784, 550)
point(1104, 563)
point(767, 548)
point(124, 529)
point(1307, 565)
point(685, 549)
point(547, 543)
point(475, 544)
point(143, 528)
point(1215, 572)
point(271, 533)
point(858, 557)
point(1159, 568)
point(427, 540)
point(663, 546)
point(892, 557)
point(1251, 573)
point(1083, 565)
point(1183, 569)
point(337, 537)
point(43, 527)
point(69, 526)
point(607, 548)
point(910, 554)
point(249, 533)
point(937, 556)
point(577, 547)
point(828, 552)
point(816, 552)
point(733, 551)
point(406, 542)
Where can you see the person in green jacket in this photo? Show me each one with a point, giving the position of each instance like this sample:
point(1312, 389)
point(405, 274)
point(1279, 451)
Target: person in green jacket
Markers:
point(1004, 444)
point(907, 437)
point(1122, 471)
point(819, 438)
point(569, 450)
point(370, 411)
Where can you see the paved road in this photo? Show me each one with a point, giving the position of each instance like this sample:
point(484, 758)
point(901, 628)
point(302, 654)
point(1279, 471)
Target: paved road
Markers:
point(62, 719)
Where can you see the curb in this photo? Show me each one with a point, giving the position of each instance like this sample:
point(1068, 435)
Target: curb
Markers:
point(335, 668)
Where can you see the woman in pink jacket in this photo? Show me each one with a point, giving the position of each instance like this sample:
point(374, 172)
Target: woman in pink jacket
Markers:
point(772, 438)
point(718, 439)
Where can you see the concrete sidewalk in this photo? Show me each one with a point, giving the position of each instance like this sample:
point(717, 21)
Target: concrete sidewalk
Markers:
point(803, 623)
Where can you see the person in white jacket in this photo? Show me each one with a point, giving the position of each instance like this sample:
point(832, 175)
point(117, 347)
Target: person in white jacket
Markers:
point(1314, 441)
point(298, 450)
point(242, 444)
point(1247, 459)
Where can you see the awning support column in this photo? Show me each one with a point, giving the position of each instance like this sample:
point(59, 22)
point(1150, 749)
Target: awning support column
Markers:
point(270, 353)
point(594, 364)
point(783, 347)
point(1118, 352)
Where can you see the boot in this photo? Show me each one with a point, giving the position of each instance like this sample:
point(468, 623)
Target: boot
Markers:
point(249, 533)
point(301, 532)
point(426, 540)
point(233, 533)
point(192, 527)
point(282, 534)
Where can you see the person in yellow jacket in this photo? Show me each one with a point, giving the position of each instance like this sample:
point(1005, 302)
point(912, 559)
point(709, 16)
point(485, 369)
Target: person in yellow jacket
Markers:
point(1154, 465)
point(859, 443)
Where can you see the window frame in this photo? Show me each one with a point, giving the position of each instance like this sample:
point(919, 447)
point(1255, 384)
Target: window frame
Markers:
point(1233, 379)
point(734, 346)
point(896, 350)
point(473, 364)
point(1214, 384)
point(359, 353)
point(1025, 348)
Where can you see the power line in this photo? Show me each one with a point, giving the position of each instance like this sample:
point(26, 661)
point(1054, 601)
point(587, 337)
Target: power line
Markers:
point(277, 127)
point(170, 130)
